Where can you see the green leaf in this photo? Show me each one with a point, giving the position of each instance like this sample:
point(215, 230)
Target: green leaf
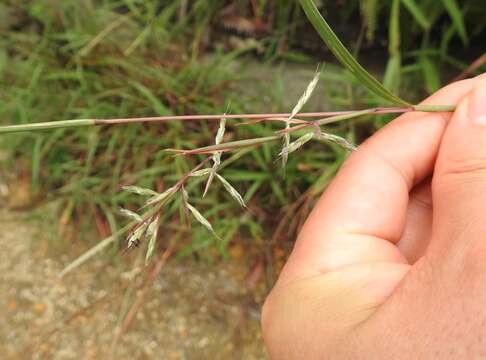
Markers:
point(344, 56)
point(430, 74)
point(394, 31)
point(94, 250)
point(391, 80)
point(456, 16)
point(155, 103)
point(417, 13)
point(36, 163)
point(370, 11)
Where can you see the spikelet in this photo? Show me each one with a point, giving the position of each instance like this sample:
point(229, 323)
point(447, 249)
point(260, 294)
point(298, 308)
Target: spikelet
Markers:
point(130, 215)
point(297, 144)
point(297, 108)
point(139, 190)
point(232, 191)
point(337, 140)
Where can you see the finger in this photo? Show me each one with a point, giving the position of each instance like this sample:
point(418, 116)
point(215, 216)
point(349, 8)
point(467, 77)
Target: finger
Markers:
point(363, 212)
point(459, 183)
point(418, 223)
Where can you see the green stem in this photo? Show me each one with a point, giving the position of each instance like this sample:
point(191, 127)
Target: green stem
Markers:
point(47, 125)
point(434, 108)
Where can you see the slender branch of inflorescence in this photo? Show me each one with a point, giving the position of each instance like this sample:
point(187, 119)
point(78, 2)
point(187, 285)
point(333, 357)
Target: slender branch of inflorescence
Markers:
point(145, 225)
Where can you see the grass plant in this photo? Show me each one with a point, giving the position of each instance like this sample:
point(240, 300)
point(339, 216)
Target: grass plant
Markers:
point(108, 62)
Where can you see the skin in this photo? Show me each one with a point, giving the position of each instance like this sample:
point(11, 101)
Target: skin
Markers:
point(391, 263)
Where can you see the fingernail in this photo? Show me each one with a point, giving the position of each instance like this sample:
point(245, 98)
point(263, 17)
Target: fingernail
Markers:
point(477, 103)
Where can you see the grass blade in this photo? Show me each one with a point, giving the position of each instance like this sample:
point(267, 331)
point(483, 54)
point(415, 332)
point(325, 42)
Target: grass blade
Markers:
point(370, 11)
point(430, 74)
point(417, 13)
point(455, 14)
point(95, 250)
point(392, 77)
point(344, 56)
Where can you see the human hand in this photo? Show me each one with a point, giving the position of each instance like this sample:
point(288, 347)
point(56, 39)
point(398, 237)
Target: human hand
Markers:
point(391, 263)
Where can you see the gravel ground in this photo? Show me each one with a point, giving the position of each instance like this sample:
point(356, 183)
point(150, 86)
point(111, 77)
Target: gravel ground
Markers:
point(192, 310)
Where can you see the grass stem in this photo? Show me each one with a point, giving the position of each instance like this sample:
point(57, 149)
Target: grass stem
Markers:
point(333, 115)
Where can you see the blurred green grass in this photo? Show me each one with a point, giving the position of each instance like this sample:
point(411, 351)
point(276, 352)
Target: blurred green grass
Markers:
point(127, 58)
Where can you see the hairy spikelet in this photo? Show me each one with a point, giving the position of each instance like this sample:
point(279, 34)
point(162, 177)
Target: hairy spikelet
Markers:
point(152, 233)
point(139, 190)
point(161, 197)
point(130, 215)
point(297, 144)
point(200, 218)
point(202, 172)
point(135, 238)
point(216, 155)
point(337, 140)
point(231, 190)
point(306, 95)
point(297, 108)
point(221, 130)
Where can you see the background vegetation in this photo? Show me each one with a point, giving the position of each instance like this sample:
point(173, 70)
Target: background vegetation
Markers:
point(127, 58)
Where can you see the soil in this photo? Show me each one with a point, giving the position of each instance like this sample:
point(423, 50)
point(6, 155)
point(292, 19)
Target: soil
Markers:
point(191, 311)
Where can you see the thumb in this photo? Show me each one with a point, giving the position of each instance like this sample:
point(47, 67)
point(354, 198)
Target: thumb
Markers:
point(459, 182)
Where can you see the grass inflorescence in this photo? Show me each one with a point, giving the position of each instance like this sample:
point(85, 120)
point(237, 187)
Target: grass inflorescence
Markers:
point(133, 73)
